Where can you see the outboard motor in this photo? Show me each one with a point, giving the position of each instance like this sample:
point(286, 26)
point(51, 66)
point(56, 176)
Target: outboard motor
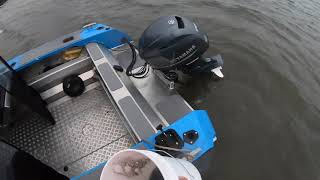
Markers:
point(176, 43)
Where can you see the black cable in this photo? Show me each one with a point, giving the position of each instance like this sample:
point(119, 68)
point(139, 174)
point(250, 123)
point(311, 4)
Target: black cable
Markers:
point(133, 61)
point(143, 71)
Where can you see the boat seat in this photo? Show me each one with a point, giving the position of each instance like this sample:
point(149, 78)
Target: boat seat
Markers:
point(19, 165)
point(12, 83)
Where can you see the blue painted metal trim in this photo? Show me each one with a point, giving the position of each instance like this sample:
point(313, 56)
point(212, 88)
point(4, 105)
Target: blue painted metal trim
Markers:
point(197, 120)
point(99, 33)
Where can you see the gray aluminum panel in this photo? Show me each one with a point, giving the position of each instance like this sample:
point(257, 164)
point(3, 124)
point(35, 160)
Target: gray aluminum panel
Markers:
point(85, 124)
point(101, 155)
point(59, 94)
point(173, 108)
point(92, 176)
point(144, 105)
point(166, 103)
point(29, 124)
point(94, 51)
point(109, 76)
point(49, 47)
point(56, 75)
point(137, 119)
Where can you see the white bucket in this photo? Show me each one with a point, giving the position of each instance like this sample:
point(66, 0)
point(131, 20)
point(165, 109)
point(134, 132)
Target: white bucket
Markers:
point(147, 165)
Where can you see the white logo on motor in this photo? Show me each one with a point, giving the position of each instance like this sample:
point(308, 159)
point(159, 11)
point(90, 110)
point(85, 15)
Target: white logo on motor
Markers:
point(188, 52)
point(171, 21)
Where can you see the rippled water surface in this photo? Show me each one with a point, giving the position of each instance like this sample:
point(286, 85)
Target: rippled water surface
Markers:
point(267, 109)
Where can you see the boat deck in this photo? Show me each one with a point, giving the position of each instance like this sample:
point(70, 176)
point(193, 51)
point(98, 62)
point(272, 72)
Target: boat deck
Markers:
point(87, 132)
point(102, 121)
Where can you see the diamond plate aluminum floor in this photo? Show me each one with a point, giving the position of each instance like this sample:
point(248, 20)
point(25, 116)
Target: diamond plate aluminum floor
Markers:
point(101, 155)
point(88, 131)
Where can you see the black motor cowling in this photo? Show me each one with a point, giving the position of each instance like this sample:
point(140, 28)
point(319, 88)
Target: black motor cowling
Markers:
point(172, 42)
